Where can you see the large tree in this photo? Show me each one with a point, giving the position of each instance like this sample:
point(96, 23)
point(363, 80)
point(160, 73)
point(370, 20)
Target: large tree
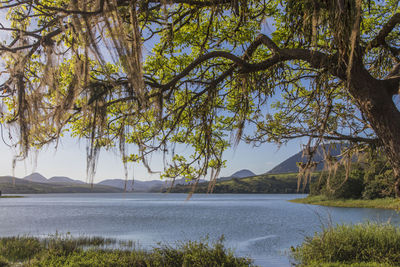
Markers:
point(157, 73)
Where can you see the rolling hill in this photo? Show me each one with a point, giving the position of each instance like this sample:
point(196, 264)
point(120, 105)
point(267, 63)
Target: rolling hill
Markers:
point(38, 178)
point(11, 185)
point(145, 186)
point(135, 186)
point(259, 184)
point(64, 180)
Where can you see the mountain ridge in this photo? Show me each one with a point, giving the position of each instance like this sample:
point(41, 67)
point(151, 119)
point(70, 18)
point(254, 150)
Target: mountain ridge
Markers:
point(290, 164)
point(36, 177)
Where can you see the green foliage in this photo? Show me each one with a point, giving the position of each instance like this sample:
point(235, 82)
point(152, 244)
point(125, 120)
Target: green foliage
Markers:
point(379, 178)
point(4, 262)
point(338, 185)
point(380, 187)
point(59, 250)
point(370, 243)
point(370, 178)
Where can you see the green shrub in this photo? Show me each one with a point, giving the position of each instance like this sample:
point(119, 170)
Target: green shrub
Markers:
point(370, 178)
point(352, 244)
point(352, 187)
point(380, 186)
point(19, 248)
point(336, 185)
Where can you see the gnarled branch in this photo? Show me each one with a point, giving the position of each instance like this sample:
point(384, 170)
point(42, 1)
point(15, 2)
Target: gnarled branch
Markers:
point(384, 32)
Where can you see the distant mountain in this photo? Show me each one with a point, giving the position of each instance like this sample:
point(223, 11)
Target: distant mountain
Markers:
point(243, 173)
point(11, 185)
point(290, 164)
point(64, 180)
point(36, 177)
point(239, 174)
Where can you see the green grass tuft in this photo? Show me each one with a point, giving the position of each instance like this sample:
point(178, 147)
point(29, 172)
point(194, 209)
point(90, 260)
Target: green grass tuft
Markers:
point(351, 245)
point(19, 248)
point(90, 251)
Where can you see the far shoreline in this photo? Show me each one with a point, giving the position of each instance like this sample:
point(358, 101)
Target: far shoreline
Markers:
point(381, 203)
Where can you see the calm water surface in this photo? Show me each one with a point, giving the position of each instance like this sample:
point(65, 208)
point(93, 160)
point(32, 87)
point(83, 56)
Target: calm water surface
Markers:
point(260, 226)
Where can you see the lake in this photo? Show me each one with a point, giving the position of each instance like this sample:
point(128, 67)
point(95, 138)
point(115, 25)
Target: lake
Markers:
point(262, 226)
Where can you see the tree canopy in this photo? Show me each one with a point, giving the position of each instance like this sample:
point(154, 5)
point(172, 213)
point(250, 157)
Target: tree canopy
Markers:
point(200, 73)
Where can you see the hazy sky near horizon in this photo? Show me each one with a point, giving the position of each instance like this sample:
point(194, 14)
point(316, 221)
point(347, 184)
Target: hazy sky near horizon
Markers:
point(70, 160)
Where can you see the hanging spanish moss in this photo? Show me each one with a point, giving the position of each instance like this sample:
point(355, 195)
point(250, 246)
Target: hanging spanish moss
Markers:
point(49, 95)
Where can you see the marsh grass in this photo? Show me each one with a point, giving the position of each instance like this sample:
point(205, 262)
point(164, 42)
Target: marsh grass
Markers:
point(367, 244)
point(58, 250)
point(19, 248)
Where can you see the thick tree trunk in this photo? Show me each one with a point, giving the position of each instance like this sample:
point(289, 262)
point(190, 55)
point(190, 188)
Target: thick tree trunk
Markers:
point(375, 100)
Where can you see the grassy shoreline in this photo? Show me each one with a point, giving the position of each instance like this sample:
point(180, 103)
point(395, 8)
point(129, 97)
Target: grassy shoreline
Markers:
point(11, 196)
point(58, 251)
point(382, 203)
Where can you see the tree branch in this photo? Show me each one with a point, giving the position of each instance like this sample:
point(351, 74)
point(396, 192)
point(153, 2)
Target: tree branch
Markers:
point(269, 43)
point(314, 58)
point(215, 54)
point(44, 39)
point(384, 32)
point(192, 2)
point(340, 137)
point(76, 12)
